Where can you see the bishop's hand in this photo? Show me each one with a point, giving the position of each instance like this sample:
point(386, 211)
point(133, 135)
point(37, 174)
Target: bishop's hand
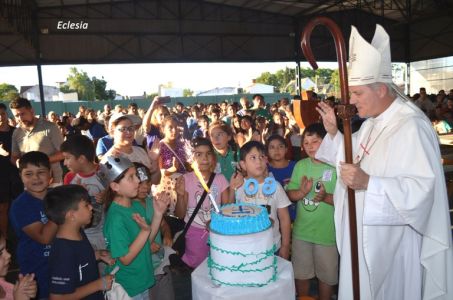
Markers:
point(328, 118)
point(353, 176)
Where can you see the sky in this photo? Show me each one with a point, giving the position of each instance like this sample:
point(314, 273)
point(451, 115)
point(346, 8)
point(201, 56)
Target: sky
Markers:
point(134, 79)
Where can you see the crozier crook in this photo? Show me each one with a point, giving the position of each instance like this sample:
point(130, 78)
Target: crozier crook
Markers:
point(345, 112)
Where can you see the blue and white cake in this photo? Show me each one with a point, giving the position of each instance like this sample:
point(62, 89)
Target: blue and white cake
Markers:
point(242, 249)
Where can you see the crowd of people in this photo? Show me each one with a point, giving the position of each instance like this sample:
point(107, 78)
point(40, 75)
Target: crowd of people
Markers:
point(122, 182)
point(115, 187)
point(439, 108)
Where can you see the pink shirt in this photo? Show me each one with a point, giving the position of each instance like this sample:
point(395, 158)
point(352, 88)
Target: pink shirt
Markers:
point(8, 288)
point(195, 190)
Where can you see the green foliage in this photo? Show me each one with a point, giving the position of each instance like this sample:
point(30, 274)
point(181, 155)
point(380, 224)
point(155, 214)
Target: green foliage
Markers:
point(281, 79)
point(100, 91)
point(187, 93)
point(268, 78)
point(335, 81)
point(81, 83)
point(66, 89)
point(99, 88)
point(111, 94)
point(8, 92)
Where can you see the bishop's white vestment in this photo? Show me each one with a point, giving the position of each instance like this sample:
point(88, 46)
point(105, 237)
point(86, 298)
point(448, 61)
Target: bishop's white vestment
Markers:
point(404, 237)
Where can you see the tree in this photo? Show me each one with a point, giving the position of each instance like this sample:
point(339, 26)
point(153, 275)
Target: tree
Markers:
point(187, 93)
point(268, 78)
point(281, 79)
point(81, 83)
point(284, 77)
point(99, 88)
point(111, 94)
point(335, 81)
point(8, 92)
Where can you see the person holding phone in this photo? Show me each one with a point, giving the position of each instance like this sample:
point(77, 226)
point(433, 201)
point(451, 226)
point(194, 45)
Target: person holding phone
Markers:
point(153, 118)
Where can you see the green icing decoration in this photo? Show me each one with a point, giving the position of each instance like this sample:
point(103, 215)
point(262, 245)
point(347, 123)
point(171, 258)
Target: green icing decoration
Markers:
point(241, 268)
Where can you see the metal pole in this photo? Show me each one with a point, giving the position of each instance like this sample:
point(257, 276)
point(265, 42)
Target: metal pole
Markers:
point(41, 90)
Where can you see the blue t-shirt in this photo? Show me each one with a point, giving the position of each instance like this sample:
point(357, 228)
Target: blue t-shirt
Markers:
point(104, 144)
point(152, 135)
point(33, 257)
point(283, 176)
point(96, 131)
point(72, 264)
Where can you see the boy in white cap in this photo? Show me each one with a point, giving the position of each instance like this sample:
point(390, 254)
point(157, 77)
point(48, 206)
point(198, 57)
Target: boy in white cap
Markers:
point(403, 226)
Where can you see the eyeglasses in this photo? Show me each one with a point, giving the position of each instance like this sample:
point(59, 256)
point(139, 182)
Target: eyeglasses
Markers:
point(128, 129)
point(218, 135)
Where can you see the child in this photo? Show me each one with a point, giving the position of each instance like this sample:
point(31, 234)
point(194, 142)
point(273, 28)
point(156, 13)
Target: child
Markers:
point(127, 232)
point(79, 156)
point(314, 251)
point(173, 157)
point(253, 163)
point(202, 130)
point(72, 263)
point(34, 231)
point(280, 167)
point(189, 191)
point(172, 160)
point(221, 135)
point(163, 289)
point(25, 287)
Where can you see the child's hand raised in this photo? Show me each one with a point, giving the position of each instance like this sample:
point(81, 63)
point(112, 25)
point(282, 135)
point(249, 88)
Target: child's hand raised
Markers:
point(161, 202)
point(180, 186)
point(305, 185)
point(174, 166)
point(321, 195)
point(141, 222)
point(25, 287)
point(154, 151)
point(236, 181)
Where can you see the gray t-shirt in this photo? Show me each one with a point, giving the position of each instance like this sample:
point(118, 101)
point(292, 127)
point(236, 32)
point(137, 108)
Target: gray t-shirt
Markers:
point(44, 137)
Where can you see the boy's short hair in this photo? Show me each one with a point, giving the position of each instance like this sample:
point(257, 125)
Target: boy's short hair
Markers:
point(3, 106)
point(203, 118)
point(35, 158)
point(247, 147)
point(60, 200)
point(78, 145)
point(315, 128)
point(19, 102)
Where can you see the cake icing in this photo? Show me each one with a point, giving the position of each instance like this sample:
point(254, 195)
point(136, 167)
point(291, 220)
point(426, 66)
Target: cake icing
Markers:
point(240, 218)
point(241, 246)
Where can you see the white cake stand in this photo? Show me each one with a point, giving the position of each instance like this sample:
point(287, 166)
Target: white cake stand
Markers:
point(282, 289)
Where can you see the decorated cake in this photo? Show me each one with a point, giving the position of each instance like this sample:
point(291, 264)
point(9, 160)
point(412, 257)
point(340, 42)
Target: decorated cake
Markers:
point(241, 246)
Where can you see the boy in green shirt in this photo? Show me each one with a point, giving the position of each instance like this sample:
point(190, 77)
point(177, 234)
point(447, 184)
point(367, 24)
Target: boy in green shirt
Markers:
point(314, 251)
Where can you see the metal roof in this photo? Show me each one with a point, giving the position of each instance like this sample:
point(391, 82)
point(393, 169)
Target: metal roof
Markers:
point(210, 30)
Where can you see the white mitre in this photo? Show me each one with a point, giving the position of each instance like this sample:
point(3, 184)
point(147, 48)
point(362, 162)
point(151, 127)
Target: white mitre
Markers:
point(369, 63)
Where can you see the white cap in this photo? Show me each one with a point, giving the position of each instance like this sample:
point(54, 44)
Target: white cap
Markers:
point(136, 120)
point(369, 63)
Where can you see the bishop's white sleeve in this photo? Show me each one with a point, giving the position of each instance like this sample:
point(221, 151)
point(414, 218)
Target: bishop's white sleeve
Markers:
point(328, 150)
point(379, 209)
